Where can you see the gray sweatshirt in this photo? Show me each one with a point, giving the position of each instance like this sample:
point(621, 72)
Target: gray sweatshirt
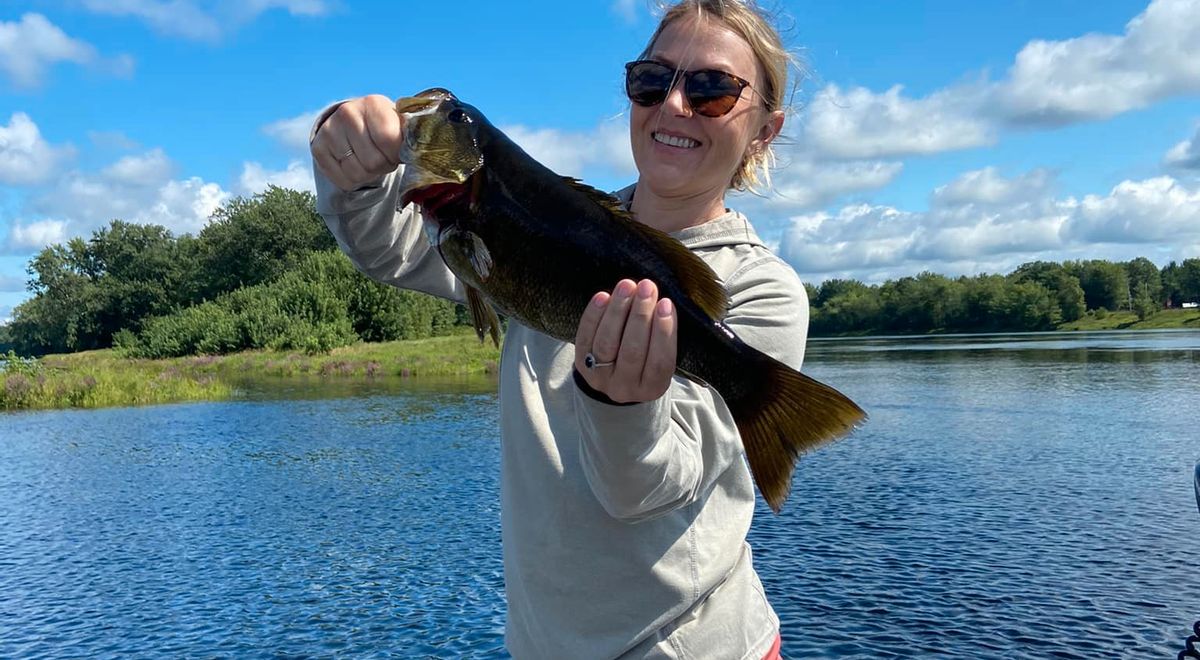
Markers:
point(623, 527)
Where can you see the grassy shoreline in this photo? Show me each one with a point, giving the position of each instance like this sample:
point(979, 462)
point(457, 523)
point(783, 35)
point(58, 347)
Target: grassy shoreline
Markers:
point(96, 379)
point(1167, 319)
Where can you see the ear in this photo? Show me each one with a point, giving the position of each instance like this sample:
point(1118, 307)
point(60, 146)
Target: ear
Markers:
point(769, 130)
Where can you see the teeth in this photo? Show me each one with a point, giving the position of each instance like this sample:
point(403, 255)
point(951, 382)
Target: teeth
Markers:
point(671, 140)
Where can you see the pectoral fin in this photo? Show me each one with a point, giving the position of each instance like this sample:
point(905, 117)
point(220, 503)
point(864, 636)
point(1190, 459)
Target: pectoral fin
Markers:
point(481, 259)
point(483, 316)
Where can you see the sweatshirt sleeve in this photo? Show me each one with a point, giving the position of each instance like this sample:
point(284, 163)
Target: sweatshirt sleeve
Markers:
point(385, 243)
point(647, 459)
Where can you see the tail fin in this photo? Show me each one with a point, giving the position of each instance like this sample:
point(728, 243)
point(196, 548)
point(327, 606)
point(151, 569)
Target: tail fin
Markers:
point(781, 414)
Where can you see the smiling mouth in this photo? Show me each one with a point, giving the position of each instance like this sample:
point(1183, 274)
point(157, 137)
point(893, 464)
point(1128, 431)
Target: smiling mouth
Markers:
point(675, 141)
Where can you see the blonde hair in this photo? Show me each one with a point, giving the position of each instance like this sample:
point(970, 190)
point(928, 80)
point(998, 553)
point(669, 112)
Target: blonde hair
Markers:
point(752, 24)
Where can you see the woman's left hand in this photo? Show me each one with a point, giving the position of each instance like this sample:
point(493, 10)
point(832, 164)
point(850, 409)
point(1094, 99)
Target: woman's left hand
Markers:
point(631, 335)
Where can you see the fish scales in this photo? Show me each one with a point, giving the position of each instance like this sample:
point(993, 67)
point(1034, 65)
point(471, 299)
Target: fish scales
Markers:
point(536, 246)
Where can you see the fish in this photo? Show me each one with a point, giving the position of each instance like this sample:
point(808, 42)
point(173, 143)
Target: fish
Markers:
point(534, 246)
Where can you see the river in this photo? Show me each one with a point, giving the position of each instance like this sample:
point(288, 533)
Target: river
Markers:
point(1012, 496)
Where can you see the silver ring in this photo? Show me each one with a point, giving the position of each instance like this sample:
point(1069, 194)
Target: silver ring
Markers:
point(349, 153)
point(590, 362)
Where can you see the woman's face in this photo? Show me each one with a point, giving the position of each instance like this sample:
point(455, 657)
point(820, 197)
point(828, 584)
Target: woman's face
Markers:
point(680, 153)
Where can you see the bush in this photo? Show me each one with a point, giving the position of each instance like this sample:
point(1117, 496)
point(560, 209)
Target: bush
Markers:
point(322, 304)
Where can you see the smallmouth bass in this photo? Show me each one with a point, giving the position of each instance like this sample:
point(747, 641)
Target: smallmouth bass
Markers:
point(535, 246)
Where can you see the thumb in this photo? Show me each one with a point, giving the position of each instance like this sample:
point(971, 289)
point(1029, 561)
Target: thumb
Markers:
point(385, 127)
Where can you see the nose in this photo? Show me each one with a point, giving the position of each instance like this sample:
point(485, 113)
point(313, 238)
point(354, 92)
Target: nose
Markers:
point(676, 103)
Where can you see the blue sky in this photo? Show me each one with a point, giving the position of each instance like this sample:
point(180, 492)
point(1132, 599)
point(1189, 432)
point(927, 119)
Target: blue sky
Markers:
point(947, 136)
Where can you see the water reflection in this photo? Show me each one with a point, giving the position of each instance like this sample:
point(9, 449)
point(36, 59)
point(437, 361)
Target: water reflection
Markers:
point(1011, 497)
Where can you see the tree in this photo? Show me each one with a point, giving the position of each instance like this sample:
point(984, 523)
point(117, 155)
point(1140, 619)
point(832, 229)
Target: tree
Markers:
point(985, 301)
point(1030, 307)
point(1105, 284)
point(1071, 302)
point(1064, 287)
point(854, 310)
point(251, 241)
point(1144, 304)
point(923, 303)
point(1170, 279)
point(1145, 278)
point(140, 271)
point(1189, 280)
point(61, 315)
point(836, 287)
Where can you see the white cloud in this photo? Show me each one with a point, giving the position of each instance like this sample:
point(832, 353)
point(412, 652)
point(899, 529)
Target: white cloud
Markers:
point(1186, 154)
point(1154, 210)
point(1098, 76)
point(202, 20)
point(5, 314)
point(33, 236)
point(173, 17)
point(111, 140)
point(802, 184)
point(1050, 83)
point(859, 237)
point(29, 47)
point(255, 178)
point(184, 206)
point(626, 9)
point(987, 186)
point(576, 153)
point(806, 184)
point(858, 123)
point(137, 188)
point(293, 131)
point(26, 158)
point(148, 169)
point(985, 222)
point(293, 7)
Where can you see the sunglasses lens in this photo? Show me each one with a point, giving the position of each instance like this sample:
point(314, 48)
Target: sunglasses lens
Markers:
point(647, 83)
point(713, 93)
point(710, 93)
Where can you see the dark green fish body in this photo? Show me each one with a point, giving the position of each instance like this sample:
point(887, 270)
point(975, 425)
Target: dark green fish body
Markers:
point(536, 247)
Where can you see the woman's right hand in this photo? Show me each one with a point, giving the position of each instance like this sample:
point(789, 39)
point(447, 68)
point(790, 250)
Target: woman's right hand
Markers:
point(359, 142)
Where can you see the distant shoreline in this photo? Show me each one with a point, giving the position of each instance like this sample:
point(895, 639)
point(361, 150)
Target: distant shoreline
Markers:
point(98, 379)
point(1167, 319)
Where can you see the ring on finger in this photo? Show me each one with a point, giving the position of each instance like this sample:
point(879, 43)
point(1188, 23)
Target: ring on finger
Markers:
point(591, 362)
point(349, 153)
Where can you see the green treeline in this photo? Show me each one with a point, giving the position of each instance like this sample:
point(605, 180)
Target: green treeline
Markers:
point(1039, 295)
point(264, 273)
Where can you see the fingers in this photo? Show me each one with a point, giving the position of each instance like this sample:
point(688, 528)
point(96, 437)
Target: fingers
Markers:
point(664, 344)
point(631, 336)
point(606, 343)
point(588, 322)
point(359, 142)
point(635, 339)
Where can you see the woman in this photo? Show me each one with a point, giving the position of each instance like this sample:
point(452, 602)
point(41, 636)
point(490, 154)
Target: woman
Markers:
point(625, 496)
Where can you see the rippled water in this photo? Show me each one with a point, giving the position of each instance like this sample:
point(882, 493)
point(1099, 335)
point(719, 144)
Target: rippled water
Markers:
point(1017, 496)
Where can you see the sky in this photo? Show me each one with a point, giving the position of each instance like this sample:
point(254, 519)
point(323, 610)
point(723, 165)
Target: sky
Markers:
point(956, 137)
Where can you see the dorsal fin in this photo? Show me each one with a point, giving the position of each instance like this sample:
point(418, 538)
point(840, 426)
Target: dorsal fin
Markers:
point(699, 282)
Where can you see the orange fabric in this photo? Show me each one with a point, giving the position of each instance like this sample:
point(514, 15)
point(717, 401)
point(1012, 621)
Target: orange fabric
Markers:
point(773, 654)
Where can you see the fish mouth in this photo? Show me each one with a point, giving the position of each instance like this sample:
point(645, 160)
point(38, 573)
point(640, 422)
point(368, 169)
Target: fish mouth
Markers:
point(433, 197)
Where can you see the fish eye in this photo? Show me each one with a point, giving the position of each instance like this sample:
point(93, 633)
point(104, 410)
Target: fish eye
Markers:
point(459, 116)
